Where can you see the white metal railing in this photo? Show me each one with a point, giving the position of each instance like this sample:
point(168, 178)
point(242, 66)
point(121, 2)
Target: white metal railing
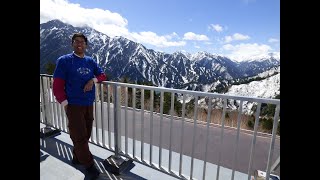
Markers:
point(128, 127)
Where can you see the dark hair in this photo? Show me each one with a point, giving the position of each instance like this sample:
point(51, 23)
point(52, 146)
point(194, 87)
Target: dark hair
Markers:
point(79, 35)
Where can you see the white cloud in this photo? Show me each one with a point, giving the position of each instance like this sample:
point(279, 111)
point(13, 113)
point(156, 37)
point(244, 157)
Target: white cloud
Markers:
point(275, 55)
point(236, 37)
point(246, 51)
point(105, 21)
point(196, 37)
point(228, 39)
point(172, 35)
point(216, 27)
point(154, 39)
point(273, 40)
point(228, 47)
point(198, 47)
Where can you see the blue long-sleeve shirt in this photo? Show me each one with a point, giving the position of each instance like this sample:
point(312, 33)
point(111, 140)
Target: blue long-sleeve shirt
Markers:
point(74, 72)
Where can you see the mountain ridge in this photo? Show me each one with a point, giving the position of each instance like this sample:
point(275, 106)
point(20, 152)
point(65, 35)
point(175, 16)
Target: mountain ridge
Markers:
point(121, 57)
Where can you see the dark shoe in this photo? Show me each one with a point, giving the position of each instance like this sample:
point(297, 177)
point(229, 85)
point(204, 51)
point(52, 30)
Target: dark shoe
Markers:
point(75, 161)
point(93, 172)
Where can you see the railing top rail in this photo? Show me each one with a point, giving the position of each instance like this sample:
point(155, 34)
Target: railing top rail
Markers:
point(46, 75)
point(195, 93)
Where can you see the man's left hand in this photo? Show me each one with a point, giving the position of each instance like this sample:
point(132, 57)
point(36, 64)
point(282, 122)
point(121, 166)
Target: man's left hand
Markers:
point(88, 86)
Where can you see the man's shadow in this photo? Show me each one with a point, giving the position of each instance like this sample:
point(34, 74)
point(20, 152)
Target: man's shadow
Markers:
point(63, 151)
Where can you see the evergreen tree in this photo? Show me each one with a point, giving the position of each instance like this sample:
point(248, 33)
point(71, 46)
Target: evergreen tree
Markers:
point(227, 115)
point(166, 102)
point(50, 67)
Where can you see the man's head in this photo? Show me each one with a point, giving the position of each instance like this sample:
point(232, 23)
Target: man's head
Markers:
point(79, 43)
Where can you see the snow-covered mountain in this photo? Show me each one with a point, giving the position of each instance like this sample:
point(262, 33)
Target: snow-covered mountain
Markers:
point(120, 58)
point(272, 71)
point(266, 88)
point(263, 85)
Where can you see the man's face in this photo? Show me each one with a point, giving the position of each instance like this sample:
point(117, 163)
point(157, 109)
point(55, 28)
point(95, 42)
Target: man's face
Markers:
point(79, 45)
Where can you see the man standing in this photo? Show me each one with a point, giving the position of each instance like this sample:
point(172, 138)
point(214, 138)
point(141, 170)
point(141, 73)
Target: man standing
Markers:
point(73, 88)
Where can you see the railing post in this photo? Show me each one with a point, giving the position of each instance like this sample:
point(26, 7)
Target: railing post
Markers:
point(48, 130)
point(115, 163)
point(117, 137)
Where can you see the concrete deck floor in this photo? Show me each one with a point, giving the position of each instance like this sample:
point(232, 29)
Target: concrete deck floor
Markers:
point(56, 155)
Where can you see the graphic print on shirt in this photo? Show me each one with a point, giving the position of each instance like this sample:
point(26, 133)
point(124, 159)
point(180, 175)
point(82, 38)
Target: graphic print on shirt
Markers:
point(83, 71)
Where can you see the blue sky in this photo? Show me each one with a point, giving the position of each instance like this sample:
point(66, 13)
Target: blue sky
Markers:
point(239, 29)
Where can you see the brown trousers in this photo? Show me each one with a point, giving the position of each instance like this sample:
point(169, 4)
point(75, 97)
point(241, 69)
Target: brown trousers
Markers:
point(80, 127)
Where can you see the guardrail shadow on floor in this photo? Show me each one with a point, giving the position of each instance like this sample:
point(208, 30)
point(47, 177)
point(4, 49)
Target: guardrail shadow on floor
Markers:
point(63, 152)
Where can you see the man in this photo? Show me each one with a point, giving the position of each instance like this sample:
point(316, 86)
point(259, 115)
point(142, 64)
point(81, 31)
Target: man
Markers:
point(73, 88)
